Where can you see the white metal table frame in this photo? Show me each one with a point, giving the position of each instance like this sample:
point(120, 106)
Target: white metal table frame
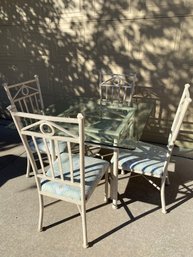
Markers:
point(94, 134)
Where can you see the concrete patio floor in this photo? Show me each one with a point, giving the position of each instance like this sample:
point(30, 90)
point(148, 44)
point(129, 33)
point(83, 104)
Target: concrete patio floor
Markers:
point(136, 228)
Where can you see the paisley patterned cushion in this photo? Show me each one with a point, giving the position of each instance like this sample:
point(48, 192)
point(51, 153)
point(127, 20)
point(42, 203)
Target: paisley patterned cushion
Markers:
point(94, 170)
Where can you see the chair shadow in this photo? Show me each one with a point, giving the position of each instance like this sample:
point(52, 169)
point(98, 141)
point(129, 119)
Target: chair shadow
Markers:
point(177, 193)
point(114, 230)
point(121, 226)
point(70, 217)
point(9, 137)
point(181, 184)
point(8, 170)
point(138, 189)
point(123, 204)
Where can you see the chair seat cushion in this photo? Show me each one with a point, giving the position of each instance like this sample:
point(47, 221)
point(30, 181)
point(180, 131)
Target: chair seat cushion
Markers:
point(94, 171)
point(41, 146)
point(145, 159)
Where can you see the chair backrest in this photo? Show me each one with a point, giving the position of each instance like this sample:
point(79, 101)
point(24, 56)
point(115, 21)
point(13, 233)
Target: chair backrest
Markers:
point(53, 130)
point(179, 116)
point(26, 96)
point(117, 88)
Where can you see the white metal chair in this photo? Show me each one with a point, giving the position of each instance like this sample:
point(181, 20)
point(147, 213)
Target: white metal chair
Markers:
point(27, 97)
point(114, 89)
point(117, 88)
point(152, 161)
point(66, 176)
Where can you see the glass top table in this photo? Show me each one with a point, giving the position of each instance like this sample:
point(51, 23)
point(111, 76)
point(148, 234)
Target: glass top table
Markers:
point(112, 126)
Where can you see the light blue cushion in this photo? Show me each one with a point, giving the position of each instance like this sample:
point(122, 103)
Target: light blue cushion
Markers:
point(146, 159)
point(41, 145)
point(94, 170)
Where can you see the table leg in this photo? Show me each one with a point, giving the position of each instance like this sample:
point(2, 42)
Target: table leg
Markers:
point(114, 178)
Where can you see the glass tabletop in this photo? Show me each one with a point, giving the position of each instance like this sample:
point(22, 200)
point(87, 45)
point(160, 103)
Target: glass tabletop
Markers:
point(110, 125)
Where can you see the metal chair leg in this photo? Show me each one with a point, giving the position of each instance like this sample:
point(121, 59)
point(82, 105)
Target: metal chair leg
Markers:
point(41, 212)
point(28, 167)
point(167, 180)
point(106, 186)
point(84, 227)
point(162, 193)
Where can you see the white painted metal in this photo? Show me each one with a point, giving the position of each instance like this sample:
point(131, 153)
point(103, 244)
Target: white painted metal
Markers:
point(26, 97)
point(175, 128)
point(117, 88)
point(53, 129)
point(114, 180)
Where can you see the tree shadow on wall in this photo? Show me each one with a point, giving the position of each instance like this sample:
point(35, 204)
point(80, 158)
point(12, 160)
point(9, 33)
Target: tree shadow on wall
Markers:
point(67, 43)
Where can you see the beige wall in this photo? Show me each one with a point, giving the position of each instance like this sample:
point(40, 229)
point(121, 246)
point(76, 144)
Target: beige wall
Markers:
point(67, 42)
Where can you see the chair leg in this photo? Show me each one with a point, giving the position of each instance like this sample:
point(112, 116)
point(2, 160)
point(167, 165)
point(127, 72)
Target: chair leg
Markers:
point(130, 173)
point(28, 167)
point(122, 172)
point(162, 193)
point(84, 227)
point(41, 212)
point(106, 186)
point(167, 180)
point(114, 180)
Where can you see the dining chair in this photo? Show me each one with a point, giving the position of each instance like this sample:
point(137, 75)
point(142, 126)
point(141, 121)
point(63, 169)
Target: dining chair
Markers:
point(68, 177)
point(116, 88)
point(27, 97)
point(151, 160)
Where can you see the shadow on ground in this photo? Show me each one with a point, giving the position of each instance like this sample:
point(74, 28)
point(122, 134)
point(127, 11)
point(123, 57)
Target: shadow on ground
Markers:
point(178, 192)
point(11, 166)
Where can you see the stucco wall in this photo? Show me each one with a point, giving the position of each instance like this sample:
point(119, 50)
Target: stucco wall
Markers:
point(67, 42)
